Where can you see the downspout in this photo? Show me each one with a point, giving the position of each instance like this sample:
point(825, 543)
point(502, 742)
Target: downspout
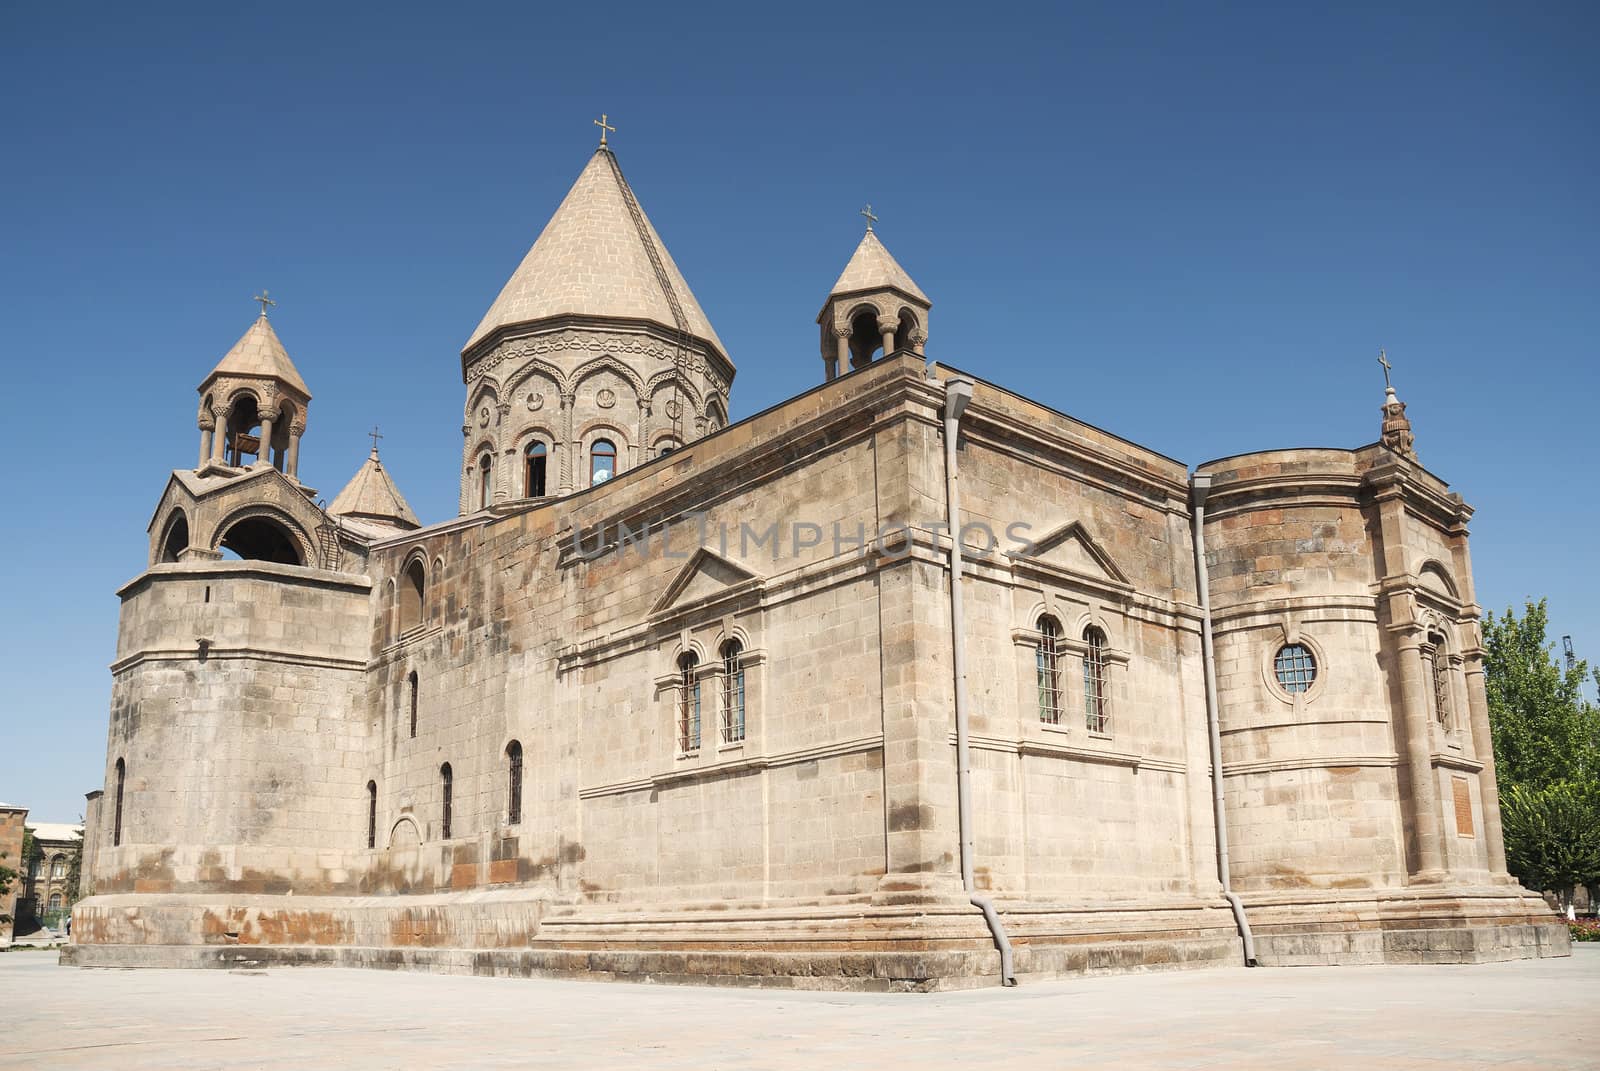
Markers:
point(1200, 485)
point(957, 395)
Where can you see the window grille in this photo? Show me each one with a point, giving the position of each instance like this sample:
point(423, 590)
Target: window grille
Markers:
point(116, 828)
point(688, 704)
point(447, 780)
point(732, 692)
point(1047, 661)
point(1441, 680)
point(411, 689)
point(1295, 667)
point(514, 779)
point(1096, 693)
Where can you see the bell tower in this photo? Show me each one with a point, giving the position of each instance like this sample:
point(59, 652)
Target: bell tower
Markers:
point(875, 309)
point(253, 405)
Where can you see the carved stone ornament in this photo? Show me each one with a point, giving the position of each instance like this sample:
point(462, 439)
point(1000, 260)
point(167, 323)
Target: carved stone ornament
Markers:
point(606, 398)
point(484, 416)
point(673, 409)
point(535, 402)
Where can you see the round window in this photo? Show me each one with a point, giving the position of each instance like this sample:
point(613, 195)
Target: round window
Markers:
point(1295, 667)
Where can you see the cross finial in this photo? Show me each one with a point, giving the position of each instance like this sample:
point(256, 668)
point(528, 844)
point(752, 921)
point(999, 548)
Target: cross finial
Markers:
point(1383, 359)
point(374, 436)
point(604, 128)
point(871, 219)
point(265, 301)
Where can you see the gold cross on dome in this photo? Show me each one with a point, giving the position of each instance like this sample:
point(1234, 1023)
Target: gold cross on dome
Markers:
point(1383, 359)
point(604, 128)
point(871, 219)
point(265, 301)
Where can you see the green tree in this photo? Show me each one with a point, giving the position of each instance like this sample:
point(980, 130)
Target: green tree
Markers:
point(1543, 730)
point(1552, 839)
point(1547, 751)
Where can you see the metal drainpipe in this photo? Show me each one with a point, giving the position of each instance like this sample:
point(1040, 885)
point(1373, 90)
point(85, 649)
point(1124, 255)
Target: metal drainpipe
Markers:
point(1200, 486)
point(957, 394)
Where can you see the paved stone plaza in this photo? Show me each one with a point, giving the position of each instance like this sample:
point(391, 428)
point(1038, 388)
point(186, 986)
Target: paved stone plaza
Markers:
point(1529, 1014)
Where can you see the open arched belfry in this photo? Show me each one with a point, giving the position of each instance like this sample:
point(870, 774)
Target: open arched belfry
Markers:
point(672, 698)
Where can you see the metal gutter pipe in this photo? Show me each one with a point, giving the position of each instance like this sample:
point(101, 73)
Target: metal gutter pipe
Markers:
point(1200, 486)
point(957, 395)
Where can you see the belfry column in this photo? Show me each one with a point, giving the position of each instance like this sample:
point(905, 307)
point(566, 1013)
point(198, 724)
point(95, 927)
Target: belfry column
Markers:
point(503, 479)
point(292, 466)
point(205, 444)
point(644, 428)
point(887, 327)
point(568, 447)
point(264, 457)
point(841, 361)
point(219, 438)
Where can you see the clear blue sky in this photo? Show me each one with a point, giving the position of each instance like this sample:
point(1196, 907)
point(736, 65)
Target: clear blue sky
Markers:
point(1194, 228)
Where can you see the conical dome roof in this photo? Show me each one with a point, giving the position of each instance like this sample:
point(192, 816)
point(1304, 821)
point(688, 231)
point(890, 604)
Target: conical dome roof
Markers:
point(871, 267)
point(598, 256)
point(371, 496)
point(260, 353)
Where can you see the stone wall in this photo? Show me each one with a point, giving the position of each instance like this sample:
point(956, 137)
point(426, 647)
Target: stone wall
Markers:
point(236, 713)
point(11, 822)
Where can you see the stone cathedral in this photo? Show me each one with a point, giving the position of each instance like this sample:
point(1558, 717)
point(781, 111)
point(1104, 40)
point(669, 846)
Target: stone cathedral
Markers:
point(677, 699)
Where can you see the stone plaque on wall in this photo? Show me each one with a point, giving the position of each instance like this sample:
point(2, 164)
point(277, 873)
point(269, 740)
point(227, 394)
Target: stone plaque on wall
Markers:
point(1462, 791)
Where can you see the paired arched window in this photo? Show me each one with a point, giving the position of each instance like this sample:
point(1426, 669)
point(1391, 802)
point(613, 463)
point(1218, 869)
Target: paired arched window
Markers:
point(534, 464)
point(411, 700)
point(412, 584)
point(1047, 666)
point(55, 901)
point(688, 703)
point(447, 788)
point(58, 868)
point(732, 692)
point(1441, 678)
point(514, 782)
point(1096, 692)
point(372, 814)
point(116, 825)
point(485, 481)
point(602, 461)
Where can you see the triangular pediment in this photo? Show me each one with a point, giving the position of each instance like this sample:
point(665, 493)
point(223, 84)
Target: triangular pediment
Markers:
point(1073, 549)
point(704, 576)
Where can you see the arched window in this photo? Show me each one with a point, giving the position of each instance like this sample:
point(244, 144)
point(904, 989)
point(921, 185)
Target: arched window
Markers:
point(58, 868)
point(688, 703)
point(55, 901)
point(412, 585)
point(1441, 678)
point(411, 699)
point(732, 692)
point(261, 539)
point(372, 814)
point(177, 540)
point(514, 782)
point(534, 461)
point(602, 461)
point(116, 825)
point(1096, 694)
point(1047, 664)
point(485, 481)
point(447, 787)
